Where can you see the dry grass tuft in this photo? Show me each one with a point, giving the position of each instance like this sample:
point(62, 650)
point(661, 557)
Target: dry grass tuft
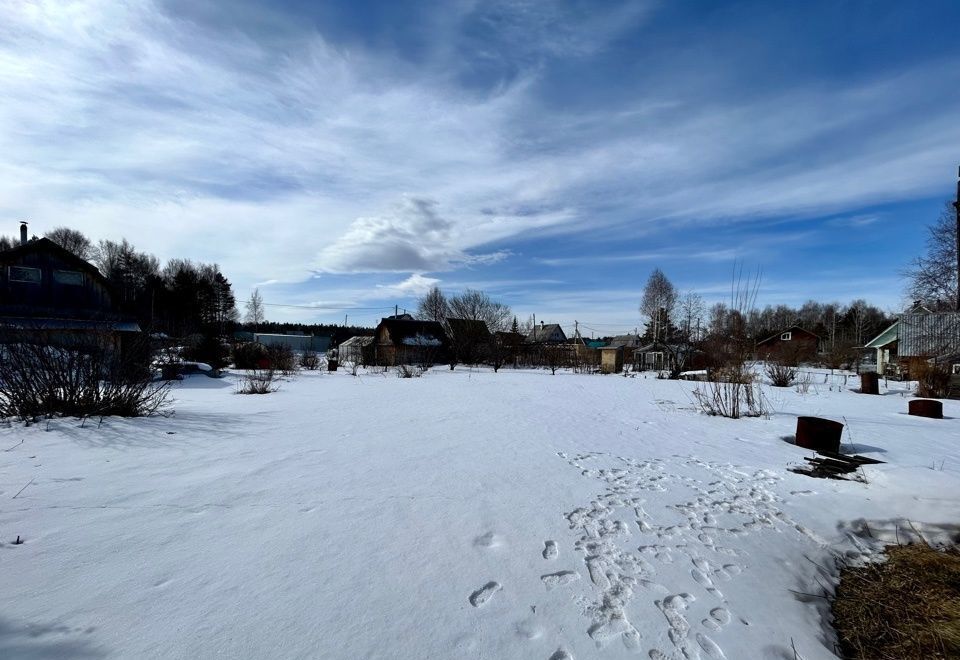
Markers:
point(905, 608)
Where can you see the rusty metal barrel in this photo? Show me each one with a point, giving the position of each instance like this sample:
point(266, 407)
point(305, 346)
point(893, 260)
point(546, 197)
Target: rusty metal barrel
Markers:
point(926, 408)
point(870, 382)
point(819, 434)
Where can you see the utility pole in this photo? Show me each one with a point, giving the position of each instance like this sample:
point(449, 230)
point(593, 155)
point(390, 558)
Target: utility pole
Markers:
point(956, 205)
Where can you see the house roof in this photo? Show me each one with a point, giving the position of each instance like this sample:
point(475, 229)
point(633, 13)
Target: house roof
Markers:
point(468, 328)
point(888, 336)
point(359, 340)
point(929, 334)
point(545, 331)
point(793, 329)
point(625, 340)
point(403, 331)
point(660, 346)
point(46, 245)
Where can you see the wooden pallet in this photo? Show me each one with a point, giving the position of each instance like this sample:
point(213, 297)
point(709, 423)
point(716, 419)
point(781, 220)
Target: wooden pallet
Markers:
point(830, 465)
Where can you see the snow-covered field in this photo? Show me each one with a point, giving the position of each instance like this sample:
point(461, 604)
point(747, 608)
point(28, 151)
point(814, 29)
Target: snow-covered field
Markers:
point(459, 515)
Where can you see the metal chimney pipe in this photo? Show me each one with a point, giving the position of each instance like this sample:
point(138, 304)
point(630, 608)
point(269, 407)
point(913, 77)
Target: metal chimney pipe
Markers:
point(23, 233)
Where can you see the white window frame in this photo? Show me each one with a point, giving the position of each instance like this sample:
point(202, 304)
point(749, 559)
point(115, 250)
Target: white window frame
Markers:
point(786, 336)
point(39, 279)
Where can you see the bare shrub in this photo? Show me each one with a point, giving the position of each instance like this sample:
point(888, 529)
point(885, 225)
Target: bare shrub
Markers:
point(933, 380)
point(407, 371)
point(804, 382)
point(780, 374)
point(309, 360)
point(250, 355)
point(258, 381)
point(282, 359)
point(39, 380)
point(731, 393)
point(355, 367)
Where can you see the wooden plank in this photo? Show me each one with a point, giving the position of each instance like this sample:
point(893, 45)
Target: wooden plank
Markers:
point(829, 462)
point(853, 458)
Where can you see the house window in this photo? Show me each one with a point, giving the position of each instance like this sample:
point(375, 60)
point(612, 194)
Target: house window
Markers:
point(71, 277)
point(786, 336)
point(24, 274)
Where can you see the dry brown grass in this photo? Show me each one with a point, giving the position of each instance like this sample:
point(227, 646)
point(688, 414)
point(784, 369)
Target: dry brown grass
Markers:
point(905, 608)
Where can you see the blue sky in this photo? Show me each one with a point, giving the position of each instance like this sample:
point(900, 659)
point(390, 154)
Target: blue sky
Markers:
point(351, 154)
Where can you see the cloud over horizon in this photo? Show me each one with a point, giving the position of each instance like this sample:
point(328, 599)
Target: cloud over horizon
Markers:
point(464, 136)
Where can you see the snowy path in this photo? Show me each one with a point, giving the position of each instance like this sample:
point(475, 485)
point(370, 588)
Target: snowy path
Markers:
point(460, 515)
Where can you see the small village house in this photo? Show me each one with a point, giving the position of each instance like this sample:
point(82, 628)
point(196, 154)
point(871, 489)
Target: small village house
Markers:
point(50, 295)
point(793, 345)
point(408, 341)
point(547, 333)
point(925, 337)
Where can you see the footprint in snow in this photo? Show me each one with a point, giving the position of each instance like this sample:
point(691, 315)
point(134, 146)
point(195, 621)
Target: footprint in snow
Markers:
point(560, 654)
point(701, 563)
point(722, 574)
point(720, 615)
point(489, 540)
point(710, 624)
point(559, 579)
point(710, 647)
point(701, 578)
point(480, 597)
point(550, 550)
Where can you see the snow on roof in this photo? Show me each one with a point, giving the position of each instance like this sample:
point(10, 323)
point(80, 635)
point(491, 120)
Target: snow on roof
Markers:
point(401, 329)
point(421, 340)
point(358, 340)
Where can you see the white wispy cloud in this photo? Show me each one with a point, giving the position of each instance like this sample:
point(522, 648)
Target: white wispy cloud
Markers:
point(126, 118)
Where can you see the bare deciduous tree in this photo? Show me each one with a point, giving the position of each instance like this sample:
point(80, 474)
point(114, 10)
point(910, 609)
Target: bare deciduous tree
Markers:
point(718, 318)
point(691, 314)
point(933, 276)
point(255, 314)
point(72, 240)
point(433, 306)
point(659, 299)
point(478, 306)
